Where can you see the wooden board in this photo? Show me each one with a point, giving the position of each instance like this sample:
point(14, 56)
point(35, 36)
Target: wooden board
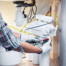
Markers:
point(55, 9)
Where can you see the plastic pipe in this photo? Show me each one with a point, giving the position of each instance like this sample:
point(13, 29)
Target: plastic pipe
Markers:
point(19, 17)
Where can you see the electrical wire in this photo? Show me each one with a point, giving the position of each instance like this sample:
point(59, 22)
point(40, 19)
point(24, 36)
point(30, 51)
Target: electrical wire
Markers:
point(22, 31)
point(36, 19)
point(39, 26)
point(35, 10)
point(24, 12)
point(32, 12)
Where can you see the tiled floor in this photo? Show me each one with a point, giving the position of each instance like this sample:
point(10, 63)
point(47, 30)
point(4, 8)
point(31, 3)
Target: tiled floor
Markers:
point(27, 63)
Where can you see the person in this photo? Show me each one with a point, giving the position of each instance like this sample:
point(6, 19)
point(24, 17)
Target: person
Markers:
point(11, 41)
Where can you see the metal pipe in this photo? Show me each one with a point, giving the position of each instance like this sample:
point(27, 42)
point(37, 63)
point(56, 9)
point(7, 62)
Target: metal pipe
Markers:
point(63, 34)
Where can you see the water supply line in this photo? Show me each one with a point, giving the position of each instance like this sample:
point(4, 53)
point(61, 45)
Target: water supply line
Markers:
point(22, 31)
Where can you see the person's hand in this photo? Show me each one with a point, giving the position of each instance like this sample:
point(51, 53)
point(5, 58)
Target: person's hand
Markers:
point(46, 46)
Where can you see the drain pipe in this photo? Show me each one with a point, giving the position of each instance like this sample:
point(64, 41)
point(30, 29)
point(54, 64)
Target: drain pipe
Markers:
point(63, 34)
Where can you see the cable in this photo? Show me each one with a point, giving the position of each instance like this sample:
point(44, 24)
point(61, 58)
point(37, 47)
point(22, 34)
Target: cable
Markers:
point(24, 12)
point(30, 14)
point(39, 26)
point(36, 19)
point(32, 11)
point(35, 10)
point(22, 31)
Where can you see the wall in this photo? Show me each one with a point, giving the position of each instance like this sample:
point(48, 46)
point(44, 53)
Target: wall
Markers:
point(8, 10)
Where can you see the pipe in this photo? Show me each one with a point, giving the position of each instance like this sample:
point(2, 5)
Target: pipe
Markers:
point(63, 34)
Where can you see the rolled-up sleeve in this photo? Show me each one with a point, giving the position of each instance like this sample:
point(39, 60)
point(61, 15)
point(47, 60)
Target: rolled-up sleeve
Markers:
point(7, 39)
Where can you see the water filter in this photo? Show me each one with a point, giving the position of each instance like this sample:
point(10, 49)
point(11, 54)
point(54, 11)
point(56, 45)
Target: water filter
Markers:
point(35, 57)
point(29, 56)
point(45, 59)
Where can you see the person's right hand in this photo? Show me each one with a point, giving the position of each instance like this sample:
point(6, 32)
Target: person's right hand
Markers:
point(46, 46)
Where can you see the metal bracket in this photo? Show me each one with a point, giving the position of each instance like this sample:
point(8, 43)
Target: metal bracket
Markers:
point(59, 29)
point(59, 59)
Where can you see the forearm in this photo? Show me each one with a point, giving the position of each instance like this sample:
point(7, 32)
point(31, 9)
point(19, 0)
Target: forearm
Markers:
point(28, 47)
point(17, 35)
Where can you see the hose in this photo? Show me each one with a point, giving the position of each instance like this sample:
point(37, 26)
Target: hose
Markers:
point(36, 19)
point(22, 31)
